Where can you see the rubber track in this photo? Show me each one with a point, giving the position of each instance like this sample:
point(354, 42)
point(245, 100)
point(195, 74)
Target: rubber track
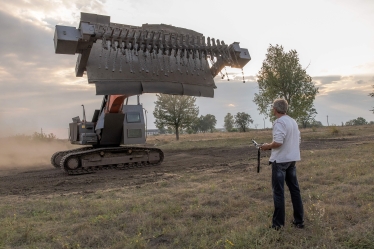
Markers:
point(65, 152)
point(82, 170)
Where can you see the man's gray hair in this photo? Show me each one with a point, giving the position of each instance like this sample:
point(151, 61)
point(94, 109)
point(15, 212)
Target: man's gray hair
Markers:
point(280, 105)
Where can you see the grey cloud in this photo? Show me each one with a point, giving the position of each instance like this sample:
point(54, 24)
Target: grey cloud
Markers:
point(327, 79)
point(51, 9)
point(27, 43)
point(359, 79)
point(30, 89)
point(349, 77)
point(343, 105)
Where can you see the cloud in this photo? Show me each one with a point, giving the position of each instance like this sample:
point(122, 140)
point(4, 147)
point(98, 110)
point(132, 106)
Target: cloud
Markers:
point(323, 80)
point(231, 105)
point(38, 88)
point(343, 105)
point(46, 14)
point(360, 82)
point(330, 83)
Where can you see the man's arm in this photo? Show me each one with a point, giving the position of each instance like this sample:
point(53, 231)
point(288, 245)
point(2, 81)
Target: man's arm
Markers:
point(272, 145)
point(279, 133)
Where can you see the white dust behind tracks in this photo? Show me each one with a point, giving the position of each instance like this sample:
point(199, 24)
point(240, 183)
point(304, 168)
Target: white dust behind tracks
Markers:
point(22, 153)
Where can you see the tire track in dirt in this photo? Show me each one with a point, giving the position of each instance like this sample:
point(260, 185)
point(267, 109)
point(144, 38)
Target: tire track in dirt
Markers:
point(46, 180)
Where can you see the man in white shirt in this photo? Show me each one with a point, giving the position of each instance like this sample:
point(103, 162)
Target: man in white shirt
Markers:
point(285, 152)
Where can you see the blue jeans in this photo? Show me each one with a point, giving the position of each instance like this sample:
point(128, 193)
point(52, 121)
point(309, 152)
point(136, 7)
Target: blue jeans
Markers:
point(286, 172)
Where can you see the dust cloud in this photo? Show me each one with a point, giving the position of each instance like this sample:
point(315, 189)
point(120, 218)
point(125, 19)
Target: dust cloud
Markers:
point(22, 152)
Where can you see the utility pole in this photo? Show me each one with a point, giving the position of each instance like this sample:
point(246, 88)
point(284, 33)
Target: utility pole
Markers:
point(264, 122)
point(328, 120)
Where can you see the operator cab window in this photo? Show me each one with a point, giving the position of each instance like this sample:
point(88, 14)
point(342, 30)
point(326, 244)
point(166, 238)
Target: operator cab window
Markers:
point(133, 117)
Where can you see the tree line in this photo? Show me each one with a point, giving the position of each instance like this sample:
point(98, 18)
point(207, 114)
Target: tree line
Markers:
point(176, 114)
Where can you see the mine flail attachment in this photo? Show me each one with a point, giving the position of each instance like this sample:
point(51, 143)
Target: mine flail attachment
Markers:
point(124, 59)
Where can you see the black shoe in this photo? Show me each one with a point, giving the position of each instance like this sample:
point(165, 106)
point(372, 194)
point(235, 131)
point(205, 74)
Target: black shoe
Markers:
point(298, 225)
point(276, 228)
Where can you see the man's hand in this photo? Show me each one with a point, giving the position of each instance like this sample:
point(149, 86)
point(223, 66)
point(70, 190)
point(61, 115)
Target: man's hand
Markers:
point(270, 146)
point(266, 146)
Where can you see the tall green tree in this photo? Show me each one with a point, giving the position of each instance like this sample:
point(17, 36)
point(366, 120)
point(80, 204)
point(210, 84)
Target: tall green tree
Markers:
point(281, 76)
point(229, 122)
point(175, 112)
point(242, 121)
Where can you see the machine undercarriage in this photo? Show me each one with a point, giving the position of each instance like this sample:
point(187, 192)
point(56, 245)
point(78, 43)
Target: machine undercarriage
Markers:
point(89, 159)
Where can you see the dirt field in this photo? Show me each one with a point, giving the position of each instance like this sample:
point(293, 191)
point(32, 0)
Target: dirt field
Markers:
point(206, 194)
point(35, 178)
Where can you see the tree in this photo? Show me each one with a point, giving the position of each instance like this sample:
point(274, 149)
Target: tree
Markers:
point(42, 136)
point(316, 123)
point(203, 124)
point(361, 121)
point(282, 76)
point(161, 129)
point(229, 122)
point(208, 123)
point(357, 121)
point(175, 112)
point(309, 118)
point(194, 127)
point(242, 121)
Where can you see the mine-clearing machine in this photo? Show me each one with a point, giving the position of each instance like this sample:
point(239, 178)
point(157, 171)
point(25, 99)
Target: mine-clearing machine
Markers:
point(123, 61)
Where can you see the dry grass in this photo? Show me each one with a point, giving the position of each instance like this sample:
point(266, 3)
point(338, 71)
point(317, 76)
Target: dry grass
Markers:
point(208, 140)
point(228, 208)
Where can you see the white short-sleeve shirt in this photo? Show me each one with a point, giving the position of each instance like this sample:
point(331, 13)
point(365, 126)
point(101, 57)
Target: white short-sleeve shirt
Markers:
point(286, 132)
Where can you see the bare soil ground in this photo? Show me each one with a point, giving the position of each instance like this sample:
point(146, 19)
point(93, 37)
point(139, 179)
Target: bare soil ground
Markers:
point(43, 179)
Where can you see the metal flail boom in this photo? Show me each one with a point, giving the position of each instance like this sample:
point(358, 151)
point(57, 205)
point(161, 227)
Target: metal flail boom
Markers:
point(151, 58)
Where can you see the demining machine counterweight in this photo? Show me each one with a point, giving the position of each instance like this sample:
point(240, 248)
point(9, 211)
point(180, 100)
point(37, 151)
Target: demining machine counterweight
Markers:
point(130, 61)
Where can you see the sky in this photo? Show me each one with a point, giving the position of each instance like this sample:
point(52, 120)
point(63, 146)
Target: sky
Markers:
point(334, 40)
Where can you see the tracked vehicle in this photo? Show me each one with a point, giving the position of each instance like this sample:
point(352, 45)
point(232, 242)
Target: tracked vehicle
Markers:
point(123, 61)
